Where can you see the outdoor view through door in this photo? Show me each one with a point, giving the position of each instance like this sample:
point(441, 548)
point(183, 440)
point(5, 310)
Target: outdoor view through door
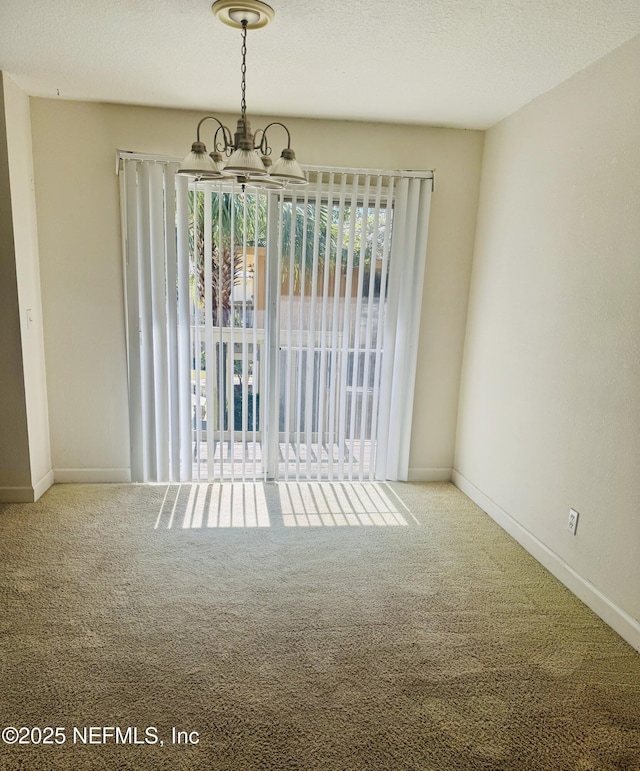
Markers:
point(333, 279)
point(265, 328)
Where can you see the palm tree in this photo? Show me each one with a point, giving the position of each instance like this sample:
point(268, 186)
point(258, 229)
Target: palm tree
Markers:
point(304, 217)
point(233, 219)
point(335, 255)
point(245, 215)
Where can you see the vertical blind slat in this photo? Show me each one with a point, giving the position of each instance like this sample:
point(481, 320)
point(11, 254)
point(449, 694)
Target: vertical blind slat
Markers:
point(376, 451)
point(301, 347)
point(333, 390)
point(173, 380)
point(322, 391)
point(346, 332)
point(146, 326)
point(159, 319)
point(257, 361)
point(310, 400)
point(290, 374)
point(134, 323)
point(220, 358)
point(365, 419)
point(355, 369)
point(184, 331)
point(196, 343)
point(273, 282)
point(421, 192)
point(209, 359)
point(386, 431)
point(231, 358)
point(245, 378)
point(402, 331)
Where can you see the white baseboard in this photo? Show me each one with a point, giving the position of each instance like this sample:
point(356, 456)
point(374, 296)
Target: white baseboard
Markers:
point(625, 625)
point(41, 487)
point(91, 475)
point(26, 494)
point(429, 475)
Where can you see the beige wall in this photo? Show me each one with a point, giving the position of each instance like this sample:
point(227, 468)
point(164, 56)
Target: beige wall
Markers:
point(25, 461)
point(79, 231)
point(14, 446)
point(550, 409)
point(28, 275)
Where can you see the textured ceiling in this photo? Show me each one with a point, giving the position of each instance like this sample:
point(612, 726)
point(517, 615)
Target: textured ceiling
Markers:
point(464, 63)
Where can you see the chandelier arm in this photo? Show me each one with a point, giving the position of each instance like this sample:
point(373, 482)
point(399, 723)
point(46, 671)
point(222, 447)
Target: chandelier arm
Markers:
point(226, 146)
point(264, 144)
point(225, 132)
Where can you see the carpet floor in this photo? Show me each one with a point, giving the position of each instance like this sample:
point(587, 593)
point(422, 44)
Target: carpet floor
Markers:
point(296, 627)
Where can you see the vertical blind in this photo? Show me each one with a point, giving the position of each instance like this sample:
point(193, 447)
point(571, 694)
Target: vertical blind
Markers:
point(155, 217)
point(272, 335)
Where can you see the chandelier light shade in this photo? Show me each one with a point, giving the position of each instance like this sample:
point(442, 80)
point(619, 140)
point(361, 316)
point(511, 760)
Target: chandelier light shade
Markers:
point(245, 156)
point(199, 164)
point(269, 182)
point(288, 169)
point(244, 163)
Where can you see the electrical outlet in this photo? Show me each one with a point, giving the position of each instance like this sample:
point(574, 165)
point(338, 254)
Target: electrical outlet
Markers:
point(572, 525)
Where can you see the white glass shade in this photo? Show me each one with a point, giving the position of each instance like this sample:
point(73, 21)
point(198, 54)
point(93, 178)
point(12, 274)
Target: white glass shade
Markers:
point(245, 163)
point(265, 183)
point(272, 184)
point(288, 169)
point(218, 163)
point(198, 163)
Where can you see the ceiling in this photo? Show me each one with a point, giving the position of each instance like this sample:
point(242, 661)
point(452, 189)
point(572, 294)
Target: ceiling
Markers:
point(460, 63)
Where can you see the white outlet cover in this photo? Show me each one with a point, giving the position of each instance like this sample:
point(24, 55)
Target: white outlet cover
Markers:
point(572, 524)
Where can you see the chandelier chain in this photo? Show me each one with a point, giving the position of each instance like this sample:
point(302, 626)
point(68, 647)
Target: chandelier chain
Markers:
point(243, 70)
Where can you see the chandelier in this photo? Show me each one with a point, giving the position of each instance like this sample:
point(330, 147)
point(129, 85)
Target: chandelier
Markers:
point(244, 155)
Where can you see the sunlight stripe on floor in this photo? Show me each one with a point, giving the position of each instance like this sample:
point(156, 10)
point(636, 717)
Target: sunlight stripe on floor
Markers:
point(214, 505)
point(334, 504)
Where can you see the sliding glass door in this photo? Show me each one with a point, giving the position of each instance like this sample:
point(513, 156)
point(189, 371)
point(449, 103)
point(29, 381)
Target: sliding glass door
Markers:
point(227, 238)
point(333, 287)
point(264, 327)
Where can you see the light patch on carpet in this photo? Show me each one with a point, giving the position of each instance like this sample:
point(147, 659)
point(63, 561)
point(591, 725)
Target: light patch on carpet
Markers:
point(339, 504)
point(215, 505)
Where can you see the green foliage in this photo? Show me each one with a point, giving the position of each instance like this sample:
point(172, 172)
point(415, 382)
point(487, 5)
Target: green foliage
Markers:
point(234, 217)
point(352, 233)
point(237, 409)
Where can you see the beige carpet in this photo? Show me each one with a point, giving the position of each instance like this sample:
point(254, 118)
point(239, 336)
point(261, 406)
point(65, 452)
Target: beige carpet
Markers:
point(298, 628)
